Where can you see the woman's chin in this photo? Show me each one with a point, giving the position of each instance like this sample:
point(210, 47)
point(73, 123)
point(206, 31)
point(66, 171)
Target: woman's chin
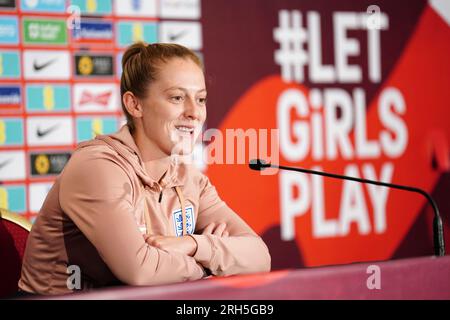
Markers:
point(182, 149)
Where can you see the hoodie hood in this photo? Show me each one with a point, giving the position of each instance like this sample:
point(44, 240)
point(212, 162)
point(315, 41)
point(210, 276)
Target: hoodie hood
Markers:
point(123, 143)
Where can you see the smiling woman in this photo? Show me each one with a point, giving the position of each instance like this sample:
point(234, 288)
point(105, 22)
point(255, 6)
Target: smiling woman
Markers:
point(127, 209)
point(164, 96)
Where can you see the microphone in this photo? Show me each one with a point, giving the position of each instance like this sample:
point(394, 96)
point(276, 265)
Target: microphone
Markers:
point(438, 230)
point(258, 164)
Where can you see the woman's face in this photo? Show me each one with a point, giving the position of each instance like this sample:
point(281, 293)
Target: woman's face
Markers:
point(175, 107)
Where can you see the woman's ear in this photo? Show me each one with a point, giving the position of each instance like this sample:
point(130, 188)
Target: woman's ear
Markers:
point(132, 104)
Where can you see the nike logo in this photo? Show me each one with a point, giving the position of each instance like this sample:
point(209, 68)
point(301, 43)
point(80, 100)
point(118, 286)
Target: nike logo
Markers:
point(176, 36)
point(42, 133)
point(38, 67)
point(4, 163)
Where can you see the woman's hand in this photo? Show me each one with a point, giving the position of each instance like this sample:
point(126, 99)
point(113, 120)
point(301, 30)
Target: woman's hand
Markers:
point(219, 229)
point(186, 244)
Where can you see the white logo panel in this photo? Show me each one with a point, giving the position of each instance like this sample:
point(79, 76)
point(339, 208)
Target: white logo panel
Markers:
point(135, 8)
point(49, 131)
point(38, 192)
point(46, 64)
point(188, 34)
point(180, 9)
point(12, 165)
point(93, 97)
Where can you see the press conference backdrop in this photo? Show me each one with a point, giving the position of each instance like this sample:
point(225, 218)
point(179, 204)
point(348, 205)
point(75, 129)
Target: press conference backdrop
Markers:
point(60, 68)
point(353, 87)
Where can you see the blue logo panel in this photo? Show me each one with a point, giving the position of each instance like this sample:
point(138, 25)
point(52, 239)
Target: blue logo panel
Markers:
point(9, 64)
point(131, 32)
point(91, 30)
point(13, 198)
point(9, 30)
point(11, 132)
point(47, 98)
point(10, 96)
point(43, 5)
point(89, 127)
point(94, 7)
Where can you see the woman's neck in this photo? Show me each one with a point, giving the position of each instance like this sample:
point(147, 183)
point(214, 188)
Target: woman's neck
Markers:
point(155, 161)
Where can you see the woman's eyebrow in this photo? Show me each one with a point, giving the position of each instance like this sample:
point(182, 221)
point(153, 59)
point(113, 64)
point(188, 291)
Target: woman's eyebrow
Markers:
point(174, 88)
point(183, 89)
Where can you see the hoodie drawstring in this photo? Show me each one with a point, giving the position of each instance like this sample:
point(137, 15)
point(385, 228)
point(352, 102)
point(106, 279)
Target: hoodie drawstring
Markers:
point(147, 218)
point(183, 211)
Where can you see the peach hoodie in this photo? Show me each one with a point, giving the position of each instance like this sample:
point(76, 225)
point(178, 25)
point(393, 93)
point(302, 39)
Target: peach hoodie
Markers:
point(95, 215)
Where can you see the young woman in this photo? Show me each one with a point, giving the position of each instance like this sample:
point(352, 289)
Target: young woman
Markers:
point(127, 209)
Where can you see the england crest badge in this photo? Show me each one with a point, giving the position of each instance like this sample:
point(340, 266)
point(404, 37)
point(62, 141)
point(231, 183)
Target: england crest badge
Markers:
point(178, 221)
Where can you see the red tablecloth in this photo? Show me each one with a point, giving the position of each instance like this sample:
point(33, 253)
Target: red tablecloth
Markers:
point(418, 278)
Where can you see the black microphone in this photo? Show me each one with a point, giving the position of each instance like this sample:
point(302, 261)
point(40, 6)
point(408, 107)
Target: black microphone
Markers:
point(438, 230)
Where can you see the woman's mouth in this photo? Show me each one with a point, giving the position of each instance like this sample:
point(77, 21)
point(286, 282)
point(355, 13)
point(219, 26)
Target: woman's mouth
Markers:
point(185, 129)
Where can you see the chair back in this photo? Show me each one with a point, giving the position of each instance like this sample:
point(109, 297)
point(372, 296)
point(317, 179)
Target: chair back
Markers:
point(14, 230)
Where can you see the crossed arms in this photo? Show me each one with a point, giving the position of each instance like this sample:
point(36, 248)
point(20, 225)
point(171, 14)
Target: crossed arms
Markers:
point(225, 246)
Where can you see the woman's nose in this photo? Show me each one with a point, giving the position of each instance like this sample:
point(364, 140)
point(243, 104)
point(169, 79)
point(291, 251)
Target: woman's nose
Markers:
point(192, 109)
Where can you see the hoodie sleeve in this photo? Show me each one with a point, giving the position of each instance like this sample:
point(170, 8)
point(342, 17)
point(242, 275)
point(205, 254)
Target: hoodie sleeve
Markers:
point(242, 252)
point(96, 193)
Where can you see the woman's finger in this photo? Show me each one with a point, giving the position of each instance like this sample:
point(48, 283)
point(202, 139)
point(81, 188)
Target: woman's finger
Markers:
point(220, 229)
point(209, 228)
point(225, 234)
point(154, 241)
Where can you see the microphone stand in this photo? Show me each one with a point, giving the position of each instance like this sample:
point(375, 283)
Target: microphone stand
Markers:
point(438, 230)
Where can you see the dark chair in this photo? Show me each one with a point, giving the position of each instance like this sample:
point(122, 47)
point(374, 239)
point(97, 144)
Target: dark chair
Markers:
point(14, 230)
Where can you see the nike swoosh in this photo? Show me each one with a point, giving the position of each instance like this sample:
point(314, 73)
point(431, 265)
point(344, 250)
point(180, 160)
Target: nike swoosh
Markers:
point(41, 66)
point(42, 133)
point(176, 36)
point(4, 163)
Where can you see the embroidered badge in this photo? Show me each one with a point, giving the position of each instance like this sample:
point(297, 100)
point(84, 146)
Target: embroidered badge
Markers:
point(178, 221)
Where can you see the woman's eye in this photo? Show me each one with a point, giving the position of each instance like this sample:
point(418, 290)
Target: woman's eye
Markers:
point(177, 98)
point(202, 100)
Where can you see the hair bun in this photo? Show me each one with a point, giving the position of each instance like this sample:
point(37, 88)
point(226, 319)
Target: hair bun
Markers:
point(134, 49)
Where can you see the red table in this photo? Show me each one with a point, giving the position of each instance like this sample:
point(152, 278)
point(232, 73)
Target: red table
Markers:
point(417, 278)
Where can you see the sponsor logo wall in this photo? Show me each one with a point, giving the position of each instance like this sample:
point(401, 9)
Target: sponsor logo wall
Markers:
point(60, 68)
